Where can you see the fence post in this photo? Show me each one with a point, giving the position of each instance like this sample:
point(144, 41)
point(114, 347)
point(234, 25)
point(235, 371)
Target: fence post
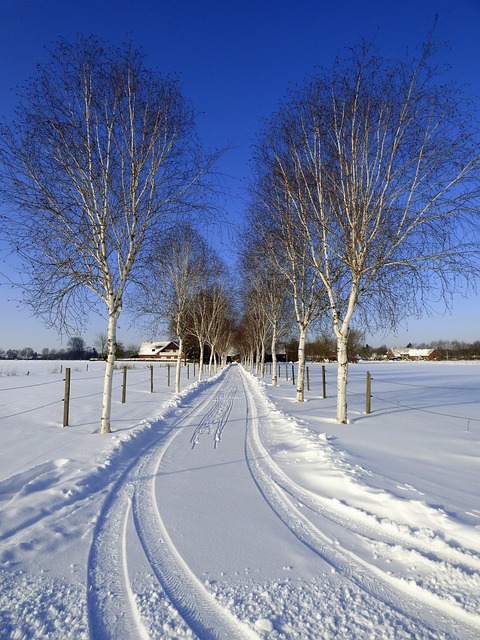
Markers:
point(368, 400)
point(151, 378)
point(188, 371)
point(124, 386)
point(308, 380)
point(66, 399)
point(168, 374)
point(324, 384)
point(286, 370)
point(293, 374)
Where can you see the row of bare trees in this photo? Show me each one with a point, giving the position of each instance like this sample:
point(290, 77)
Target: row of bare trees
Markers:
point(190, 294)
point(100, 159)
point(364, 201)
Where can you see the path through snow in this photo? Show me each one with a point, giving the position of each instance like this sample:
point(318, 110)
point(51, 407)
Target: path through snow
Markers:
point(211, 530)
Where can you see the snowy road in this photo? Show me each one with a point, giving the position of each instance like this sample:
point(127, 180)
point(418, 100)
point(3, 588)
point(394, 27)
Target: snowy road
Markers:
point(212, 533)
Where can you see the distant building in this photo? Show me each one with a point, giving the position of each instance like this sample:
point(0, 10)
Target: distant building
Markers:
point(408, 353)
point(166, 351)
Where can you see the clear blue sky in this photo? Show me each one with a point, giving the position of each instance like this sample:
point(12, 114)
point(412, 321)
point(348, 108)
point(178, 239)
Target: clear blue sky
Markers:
point(236, 60)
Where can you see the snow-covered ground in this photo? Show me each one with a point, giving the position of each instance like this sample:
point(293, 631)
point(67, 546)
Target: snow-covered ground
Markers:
point(231, 511)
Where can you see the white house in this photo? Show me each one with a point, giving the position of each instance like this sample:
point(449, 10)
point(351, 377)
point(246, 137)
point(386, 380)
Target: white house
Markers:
point(408, 353)
point(165, 351)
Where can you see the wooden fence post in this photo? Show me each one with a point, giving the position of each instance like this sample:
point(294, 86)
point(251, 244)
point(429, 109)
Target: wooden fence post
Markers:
point(151, 378)
point(124, 386)
point(66, 399)
point(168, 374)
point(293, 374)
point(324, 384)
point(308, 380)
point(368, 399)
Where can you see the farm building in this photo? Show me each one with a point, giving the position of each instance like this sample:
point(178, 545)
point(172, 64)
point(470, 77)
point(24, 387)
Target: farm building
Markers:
point(166, 351)
point(407, 353)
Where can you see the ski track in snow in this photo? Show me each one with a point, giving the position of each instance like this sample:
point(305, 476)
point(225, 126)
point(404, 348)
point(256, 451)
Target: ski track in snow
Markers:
point(139, 586)
point(113, 610)
point(286, 498)
point(216, 417)
point(131, 518)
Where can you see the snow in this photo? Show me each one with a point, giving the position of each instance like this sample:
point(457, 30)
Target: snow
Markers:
point(230, 510)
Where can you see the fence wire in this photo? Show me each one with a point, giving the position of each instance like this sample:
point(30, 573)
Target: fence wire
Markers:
point(117, 385)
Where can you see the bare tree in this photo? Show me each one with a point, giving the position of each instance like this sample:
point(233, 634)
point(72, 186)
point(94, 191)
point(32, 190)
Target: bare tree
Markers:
point(245, 339)
point(269, 292)
point(209, 301)
point(100, 158)
point(76, 347)
point(179, 267)
point(377, 165)
point(100, 343)
point(226, 336)
point(256, 323)
point(219, 327)
point(273, 221)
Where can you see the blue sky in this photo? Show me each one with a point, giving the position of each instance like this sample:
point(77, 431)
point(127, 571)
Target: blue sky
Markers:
point(236, 61)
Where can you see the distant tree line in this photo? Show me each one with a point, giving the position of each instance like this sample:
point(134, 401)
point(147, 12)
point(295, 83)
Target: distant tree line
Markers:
point(76, 349)
point(323, 348)
point(452, 349)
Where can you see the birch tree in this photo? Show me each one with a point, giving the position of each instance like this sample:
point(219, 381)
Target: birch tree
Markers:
point(100, 158)
point(208, 301)
point(258, 323)
point(267, 299)
point(219, 325)
point(245, 340)
point(273, 221)
point(378, 166)
point(179, 266)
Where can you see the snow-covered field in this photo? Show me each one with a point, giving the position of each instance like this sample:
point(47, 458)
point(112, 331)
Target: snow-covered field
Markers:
point(231, 511)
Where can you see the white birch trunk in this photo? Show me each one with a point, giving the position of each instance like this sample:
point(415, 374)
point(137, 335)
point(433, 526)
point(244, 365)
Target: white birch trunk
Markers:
point(200, 363)
point(301, 365)
point(342, 376)
point(109, 368)
point(262, 361)
point(341, 333)
point(179, 365)
point(210, 362)
point(274, 355)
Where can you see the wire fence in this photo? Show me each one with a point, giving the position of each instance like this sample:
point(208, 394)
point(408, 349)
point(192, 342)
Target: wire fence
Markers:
point(447, 395)
point(379, 393)
point(70, 384)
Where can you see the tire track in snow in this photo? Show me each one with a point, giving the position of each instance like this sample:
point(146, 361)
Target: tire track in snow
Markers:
point(195, 604)
point(279, 491)
point(217, 417)
point(113, 611)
